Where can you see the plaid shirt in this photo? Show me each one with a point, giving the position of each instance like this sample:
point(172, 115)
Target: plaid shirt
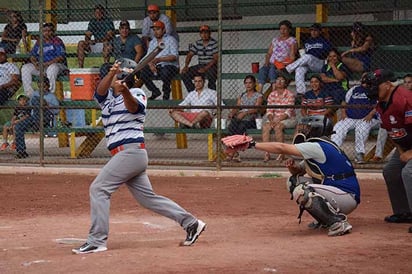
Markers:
point(286, 98)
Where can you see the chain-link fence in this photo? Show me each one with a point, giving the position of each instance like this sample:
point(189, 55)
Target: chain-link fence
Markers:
point(260, 57)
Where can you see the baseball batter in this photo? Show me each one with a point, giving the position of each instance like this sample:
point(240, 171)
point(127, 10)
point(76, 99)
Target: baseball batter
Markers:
point(395, 112)
point(332, 190)
point(123, 116)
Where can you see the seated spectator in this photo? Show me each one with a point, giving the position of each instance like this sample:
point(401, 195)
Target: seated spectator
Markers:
point(244, 118)
point(358, 58)
point(282, 51)
point(358, 115)
point(201, 96)
point(206, 51)
point(407, 81)
point(153, 16)
point(54, 60)
point(316, 51)
point(165, 65)
point(33, 122)
point(9, 78)
point(20, 114)
point(380, 145)
point(126, 45)
point(335, 77)
point(101, 28)
point(316, 100)
point(277, 119)
point(14, 32)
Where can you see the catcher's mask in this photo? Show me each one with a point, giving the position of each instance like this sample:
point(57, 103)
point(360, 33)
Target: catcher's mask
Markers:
point(372, 80)
point(313, 126)
point(126, 66)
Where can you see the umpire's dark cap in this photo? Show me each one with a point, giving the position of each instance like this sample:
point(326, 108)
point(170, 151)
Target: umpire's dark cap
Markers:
point(383, 75)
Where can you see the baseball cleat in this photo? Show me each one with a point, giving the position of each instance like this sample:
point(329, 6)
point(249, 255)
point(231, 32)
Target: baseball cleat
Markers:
point(193, 232)
point(340, 228)
point(88, 248)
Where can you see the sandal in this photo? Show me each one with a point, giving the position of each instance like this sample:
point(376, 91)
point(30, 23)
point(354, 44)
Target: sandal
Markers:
point(267, 157)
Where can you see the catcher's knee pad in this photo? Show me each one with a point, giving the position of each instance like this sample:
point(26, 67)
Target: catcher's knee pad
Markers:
point(316, 205)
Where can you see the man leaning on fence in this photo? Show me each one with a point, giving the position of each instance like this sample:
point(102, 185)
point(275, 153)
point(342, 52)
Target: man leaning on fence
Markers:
point(207, 55)
point(54, 60)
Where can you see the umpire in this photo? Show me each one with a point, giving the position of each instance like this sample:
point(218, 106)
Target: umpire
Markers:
point(395, 112)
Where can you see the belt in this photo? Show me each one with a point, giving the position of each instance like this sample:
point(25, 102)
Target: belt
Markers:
point(123, 147)
point(336, 177)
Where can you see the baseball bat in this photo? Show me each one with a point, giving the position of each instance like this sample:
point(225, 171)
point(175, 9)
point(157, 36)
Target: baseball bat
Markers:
point(144, 61)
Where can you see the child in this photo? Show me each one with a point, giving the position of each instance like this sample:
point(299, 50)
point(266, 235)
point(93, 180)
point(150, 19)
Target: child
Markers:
point(20, 114)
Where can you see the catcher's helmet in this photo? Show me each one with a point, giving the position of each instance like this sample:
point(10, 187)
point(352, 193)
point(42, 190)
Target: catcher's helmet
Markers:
point(315, 126)
point(127, 66)
point(372, 80)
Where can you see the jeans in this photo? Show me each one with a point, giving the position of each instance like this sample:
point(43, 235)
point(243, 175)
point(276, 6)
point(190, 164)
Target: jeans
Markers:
point(266, 72)
point(165, 73)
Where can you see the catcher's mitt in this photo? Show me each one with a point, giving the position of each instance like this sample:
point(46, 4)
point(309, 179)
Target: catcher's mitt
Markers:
point(235, 143)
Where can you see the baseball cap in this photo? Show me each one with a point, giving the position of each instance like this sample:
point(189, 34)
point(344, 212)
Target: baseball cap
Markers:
point(316, 26)
point(383, 75)
point(125, 23)
point(2, 50)
point(21, 96)
point(204, 28)
point(153, 7)
point(158, 24)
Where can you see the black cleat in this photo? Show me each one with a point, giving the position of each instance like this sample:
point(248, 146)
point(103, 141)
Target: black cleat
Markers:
point(193, 232)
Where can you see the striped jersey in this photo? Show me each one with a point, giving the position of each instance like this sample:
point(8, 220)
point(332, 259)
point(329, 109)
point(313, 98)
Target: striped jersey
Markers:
point(121, 126)
point(204, 53)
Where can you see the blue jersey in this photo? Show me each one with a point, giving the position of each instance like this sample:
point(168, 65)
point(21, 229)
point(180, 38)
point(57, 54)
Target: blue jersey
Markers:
point(318, 47)
point(120, 126)
point(356, 96)
point(332, 162)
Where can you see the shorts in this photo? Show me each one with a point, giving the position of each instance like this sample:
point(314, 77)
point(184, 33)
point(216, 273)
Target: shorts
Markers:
point(190, 116)
point(96, 48)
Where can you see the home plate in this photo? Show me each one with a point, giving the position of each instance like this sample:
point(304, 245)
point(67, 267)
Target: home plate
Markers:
point(70, 241)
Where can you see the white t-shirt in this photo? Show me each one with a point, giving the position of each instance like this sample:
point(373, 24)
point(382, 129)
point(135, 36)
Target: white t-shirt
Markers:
point(6, 71)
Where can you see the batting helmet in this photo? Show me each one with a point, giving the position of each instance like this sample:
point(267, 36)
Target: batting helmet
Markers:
point(315, 126)
point(372, 80)
point(126, 66)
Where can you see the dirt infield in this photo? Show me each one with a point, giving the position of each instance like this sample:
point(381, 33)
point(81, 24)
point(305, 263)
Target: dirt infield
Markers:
point(252, 228)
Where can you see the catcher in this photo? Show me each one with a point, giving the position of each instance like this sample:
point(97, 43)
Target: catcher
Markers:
point(332, 190)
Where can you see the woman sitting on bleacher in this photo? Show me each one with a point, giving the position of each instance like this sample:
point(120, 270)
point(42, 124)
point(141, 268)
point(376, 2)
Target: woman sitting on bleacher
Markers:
point(13, 32)
point(358, 58)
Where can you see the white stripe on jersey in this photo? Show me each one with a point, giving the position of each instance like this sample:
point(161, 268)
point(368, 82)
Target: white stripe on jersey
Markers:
point(121, 126)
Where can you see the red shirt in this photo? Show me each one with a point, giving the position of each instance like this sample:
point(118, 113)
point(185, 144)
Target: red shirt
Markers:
point(396, 117)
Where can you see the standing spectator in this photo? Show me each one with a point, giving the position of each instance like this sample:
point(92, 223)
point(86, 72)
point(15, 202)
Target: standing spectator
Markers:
point(395, 113)
point(407, 81)
point(358, 115)
point(9, 77)
point(358, 58)
point(126, 45)
point(316, 50)
point(335, 77)
point(20, 114)
point(13, 32)
point(316, 100)
point(102, 29)
point(277, 119)
point(54, 60)
point(282, 51)
point(165, 65)
point(207, 53)
point(33, 122)
point(155, 15)
point(201, 96)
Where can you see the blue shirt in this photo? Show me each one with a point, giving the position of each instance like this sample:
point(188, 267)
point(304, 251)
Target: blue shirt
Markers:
point(99, 28)
point(127, 49)
point(357, 96)
point(171, 48)
point(318, 47)
point(51, 50)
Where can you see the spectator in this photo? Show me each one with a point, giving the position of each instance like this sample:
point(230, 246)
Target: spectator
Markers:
point(165, 65)
point(358, 58)
point(20, 114)
point(101, 27)
point(9, 77)
point(14, 32)
point(54, 60)
point(316, 100)
point(206, 50)
point(281, 52)
point(126, 45)
point(335, 77)
point(407, 81)
point(277, 119)
point(244, 118)
point(316, 51)
point(155, 15)
point(201, 96)
point(358, 115)
point(33, 122)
